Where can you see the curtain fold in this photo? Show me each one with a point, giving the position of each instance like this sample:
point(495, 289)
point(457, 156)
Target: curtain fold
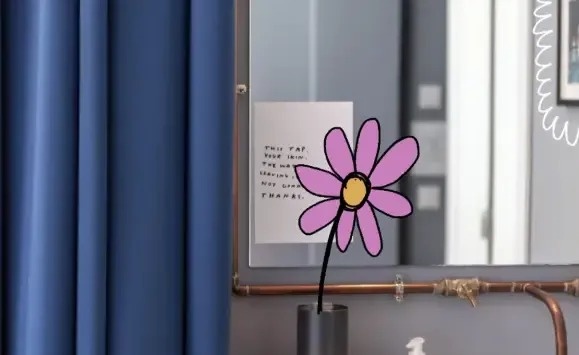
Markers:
point(211, 114)
point(40, 118)
point(92, 228)
point(148, 111)
point(116, 140)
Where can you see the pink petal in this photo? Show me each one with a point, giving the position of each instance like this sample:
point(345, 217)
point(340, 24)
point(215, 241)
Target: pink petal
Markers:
point(367, 146)
point(369, 230)
point(318, 216)
point(390, 202)
point(395, 162)
point(345, 230)
point(338, 152)
point(318, 182)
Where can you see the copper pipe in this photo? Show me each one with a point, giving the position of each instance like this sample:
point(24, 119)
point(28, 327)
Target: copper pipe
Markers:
point(467, 289)
point(556, 315)
point(435, 287)
point(270, 290)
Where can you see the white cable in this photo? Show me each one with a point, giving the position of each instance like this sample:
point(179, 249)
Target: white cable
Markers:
point(554, 126)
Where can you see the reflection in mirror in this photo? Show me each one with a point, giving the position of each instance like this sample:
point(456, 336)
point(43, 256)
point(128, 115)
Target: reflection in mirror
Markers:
point(451, 73)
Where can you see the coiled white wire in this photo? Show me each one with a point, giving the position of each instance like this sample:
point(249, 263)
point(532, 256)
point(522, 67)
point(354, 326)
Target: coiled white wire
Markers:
point(553, 125)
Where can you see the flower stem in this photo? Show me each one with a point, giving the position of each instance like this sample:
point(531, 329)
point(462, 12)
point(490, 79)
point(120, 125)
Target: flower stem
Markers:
point(327, 258)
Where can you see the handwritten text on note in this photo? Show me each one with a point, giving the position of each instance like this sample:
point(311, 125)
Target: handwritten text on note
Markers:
point(285, 134)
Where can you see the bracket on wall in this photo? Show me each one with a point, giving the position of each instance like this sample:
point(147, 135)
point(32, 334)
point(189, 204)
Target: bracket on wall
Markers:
point(241, 89)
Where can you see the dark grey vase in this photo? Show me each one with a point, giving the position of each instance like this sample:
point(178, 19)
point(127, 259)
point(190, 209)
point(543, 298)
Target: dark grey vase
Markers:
point(325, 333)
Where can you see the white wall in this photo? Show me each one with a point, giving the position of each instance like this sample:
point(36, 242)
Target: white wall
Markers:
point(511, 131)
point(468, 86)
point(476, 128)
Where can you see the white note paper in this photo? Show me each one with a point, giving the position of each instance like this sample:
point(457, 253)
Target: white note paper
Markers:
point(285, 134)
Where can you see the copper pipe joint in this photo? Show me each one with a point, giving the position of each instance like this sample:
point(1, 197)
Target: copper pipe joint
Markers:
point(572, 288)
point(466, 289)
point(556, 315)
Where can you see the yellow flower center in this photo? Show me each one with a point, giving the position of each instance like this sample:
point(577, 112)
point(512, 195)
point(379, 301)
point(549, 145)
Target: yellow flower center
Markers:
point(355, 190)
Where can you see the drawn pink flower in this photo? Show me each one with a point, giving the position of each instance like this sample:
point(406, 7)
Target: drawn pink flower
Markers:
point(356, 186)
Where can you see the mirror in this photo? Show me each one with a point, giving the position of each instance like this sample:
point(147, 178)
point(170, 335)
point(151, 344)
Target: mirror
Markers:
point(457, 75)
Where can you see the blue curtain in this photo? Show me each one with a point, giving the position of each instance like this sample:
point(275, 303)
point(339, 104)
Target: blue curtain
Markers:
point(116, 154)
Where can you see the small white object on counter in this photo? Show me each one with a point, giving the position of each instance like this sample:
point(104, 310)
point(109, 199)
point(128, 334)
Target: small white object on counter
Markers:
point(415, 346)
